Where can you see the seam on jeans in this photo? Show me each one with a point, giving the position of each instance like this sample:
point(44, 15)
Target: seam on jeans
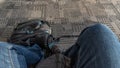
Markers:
point(3, 57)
point(11, 59)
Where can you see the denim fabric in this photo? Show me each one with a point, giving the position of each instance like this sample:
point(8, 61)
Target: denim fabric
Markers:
point(15, 56)
point(96, 47)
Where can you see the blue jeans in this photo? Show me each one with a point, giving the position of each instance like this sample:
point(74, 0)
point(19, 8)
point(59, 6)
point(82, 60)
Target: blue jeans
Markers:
point(16, 56)
point(96, 47)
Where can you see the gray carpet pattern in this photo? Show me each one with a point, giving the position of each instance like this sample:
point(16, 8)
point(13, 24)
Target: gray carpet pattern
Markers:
point(66, 17)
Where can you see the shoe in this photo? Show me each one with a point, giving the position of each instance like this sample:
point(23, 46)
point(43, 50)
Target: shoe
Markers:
point(31, 32)
point(35, 32)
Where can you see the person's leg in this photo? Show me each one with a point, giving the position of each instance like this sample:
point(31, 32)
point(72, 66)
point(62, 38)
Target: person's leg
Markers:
point(96, 47)
point(9, 58)
point(16, 56)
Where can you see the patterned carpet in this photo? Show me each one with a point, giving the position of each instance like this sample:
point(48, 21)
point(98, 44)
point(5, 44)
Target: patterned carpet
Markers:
point(67, 17)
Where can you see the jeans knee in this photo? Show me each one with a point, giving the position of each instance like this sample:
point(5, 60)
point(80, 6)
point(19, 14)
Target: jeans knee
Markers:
point(99, 27)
